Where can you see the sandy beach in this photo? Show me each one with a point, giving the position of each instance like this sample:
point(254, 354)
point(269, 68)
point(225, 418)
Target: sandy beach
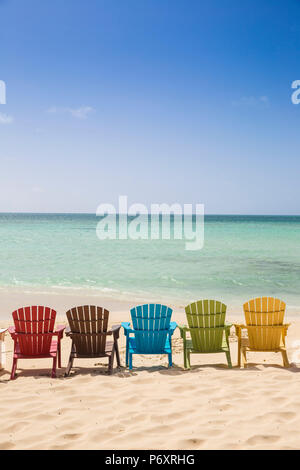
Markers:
point(152, 407)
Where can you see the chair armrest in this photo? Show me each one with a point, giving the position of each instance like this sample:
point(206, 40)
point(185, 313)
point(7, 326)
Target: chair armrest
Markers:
point(2, 333)
point(60, 331)
point(183, 330)
point(172, 328)
point(127, 329)
point(285, 329)
point(68, 331)
point(238, 329)
point(116, 331)
point(227, 328)
point(12, 332)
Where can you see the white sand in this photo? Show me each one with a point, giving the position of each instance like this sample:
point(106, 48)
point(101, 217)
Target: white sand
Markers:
point(209, 407)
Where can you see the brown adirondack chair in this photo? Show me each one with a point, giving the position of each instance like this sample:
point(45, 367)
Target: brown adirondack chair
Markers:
point(88, 329)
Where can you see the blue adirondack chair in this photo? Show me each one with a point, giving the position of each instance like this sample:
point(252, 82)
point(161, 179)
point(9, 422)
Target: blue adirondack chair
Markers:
point(152, 330)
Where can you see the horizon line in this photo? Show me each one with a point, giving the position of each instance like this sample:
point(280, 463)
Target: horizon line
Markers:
point(94, 213)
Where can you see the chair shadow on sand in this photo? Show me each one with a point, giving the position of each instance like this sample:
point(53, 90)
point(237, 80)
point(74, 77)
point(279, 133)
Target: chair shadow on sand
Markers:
point(222, 368)
point(100, 370)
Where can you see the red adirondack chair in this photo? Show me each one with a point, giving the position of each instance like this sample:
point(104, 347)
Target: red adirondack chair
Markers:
point(34, 336)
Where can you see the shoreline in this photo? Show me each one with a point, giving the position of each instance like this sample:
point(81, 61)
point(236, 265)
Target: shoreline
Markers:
point(62, 299)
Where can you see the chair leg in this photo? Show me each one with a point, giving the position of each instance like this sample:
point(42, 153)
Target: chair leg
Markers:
point(228, 357)
point(127, 354)
point(13, 370)
point(53, 375)
point(130, 361)
point(244, 357)
point(117, 354)
point(285, 358)
point(239, 353)
point(59, 355)
point(188, 359)
point(69, 366)
point(184, 359)
point(111, 362)
point(170, 359)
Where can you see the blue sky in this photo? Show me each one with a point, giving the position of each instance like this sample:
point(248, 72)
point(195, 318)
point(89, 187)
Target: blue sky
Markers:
point(160, 100)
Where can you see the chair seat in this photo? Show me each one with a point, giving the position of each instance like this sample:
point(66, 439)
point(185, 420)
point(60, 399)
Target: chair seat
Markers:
point(133, 348)
point(223, 348)
point(89, 355)
point(245, 345)
point(108, 352)
point(52, 352)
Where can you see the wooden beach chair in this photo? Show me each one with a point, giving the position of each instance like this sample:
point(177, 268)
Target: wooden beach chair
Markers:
point(152, 331)
point(2, 348)
point(34, 336)
point(265, 328)
point(207, 330)
point(89, 331)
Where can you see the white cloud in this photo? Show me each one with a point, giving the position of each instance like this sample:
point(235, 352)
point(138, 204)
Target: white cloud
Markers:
point(78, 113)
point(5, 119)
point(252, 101)
point(81, 113)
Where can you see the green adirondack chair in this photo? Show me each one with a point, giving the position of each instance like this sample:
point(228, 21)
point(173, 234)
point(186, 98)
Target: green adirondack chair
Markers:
point(207, 330)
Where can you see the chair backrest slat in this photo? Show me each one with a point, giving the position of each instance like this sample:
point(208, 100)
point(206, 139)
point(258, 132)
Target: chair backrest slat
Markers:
point(261, 313)
point(88, 323)
point(151, 323)
point(35, 327)
point(206, 319)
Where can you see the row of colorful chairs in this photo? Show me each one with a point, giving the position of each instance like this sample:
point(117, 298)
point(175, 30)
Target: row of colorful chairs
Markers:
point(151, 332)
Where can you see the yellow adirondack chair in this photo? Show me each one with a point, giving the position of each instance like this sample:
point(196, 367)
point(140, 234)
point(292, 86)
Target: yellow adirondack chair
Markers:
point(266, 330)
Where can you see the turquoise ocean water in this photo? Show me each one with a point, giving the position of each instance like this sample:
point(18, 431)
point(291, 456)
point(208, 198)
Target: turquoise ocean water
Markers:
point(243, 257)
